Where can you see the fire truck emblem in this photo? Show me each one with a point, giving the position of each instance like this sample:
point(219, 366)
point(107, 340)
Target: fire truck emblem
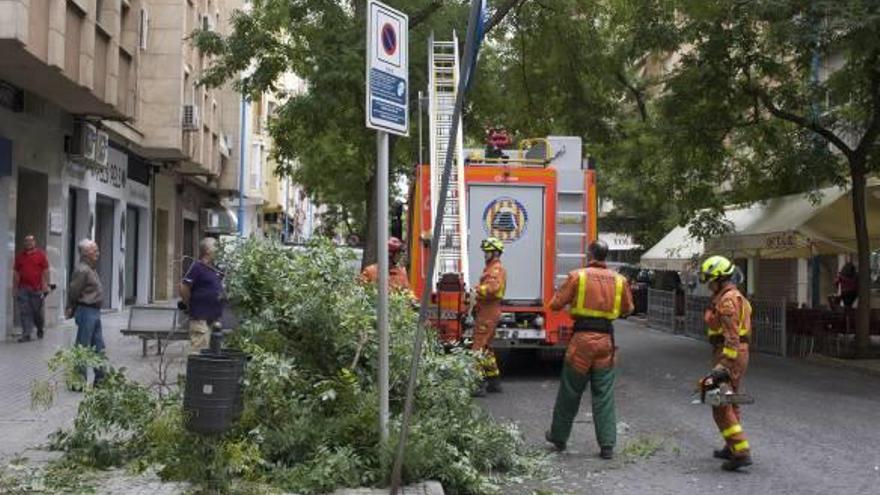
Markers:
point(505, 218)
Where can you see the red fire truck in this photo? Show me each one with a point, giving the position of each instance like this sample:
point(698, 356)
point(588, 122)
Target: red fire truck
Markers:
point(540, 199)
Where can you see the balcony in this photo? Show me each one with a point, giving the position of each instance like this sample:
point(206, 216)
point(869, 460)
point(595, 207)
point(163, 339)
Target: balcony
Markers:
point(46, 57)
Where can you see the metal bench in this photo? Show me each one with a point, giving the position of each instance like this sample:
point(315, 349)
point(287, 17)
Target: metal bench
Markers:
point(156, 323)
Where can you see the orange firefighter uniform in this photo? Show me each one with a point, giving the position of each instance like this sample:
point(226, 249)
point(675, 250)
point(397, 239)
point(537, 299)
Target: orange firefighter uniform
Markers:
point(398, 280)
point(489, 294)
point(729, 328)
point(596, 296)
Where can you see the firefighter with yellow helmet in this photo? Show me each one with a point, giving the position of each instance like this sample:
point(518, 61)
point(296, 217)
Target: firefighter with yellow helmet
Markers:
point(487, 311)
point(729, 328)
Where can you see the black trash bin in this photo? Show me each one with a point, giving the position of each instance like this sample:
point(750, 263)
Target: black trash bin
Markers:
point(212, 398)
point(241, 359)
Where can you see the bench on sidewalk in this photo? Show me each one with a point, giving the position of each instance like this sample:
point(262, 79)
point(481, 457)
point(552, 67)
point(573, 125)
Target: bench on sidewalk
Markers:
point(156, 323)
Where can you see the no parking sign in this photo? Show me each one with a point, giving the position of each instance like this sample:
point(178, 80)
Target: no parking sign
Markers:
point(387, 69)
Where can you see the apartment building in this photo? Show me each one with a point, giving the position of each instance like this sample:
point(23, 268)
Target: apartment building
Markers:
point(106, 134)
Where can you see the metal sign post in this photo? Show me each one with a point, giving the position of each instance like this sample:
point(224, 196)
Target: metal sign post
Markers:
point(387, 111)
point(472, 38)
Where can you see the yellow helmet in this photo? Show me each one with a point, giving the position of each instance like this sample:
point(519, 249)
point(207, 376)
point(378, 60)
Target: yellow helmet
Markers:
point(492, 244)
point(716, 267)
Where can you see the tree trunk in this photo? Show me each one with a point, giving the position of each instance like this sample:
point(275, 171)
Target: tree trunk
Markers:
point(863, 246)
point(370, 250)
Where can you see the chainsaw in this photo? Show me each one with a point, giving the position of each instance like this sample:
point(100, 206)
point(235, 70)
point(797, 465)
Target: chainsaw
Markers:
point(715, 390)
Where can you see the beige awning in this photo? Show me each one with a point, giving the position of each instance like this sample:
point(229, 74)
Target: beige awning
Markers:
point(674, 252)
point(795, 226)
point(792, 226)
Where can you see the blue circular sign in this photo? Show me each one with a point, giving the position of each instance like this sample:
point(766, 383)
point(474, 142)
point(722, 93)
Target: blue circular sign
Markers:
point(389, 39)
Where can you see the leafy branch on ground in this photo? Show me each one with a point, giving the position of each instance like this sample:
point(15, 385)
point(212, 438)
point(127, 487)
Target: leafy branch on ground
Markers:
point(310, 422)
point(645, 447)
point(61, 476)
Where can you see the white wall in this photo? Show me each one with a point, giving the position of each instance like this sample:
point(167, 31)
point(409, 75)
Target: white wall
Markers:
point(37, 136)
point(113, 183)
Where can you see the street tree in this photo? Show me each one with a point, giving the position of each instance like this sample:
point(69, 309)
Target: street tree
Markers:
point(320, 138)
point(770, 97)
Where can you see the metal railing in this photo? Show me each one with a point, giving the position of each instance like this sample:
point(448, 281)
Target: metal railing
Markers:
point(661, 309)
point(768, 323)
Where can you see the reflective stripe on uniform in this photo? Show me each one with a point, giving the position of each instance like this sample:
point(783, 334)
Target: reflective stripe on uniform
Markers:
point(733, 430)
point(579, 309)
point(730, 353)
point(743, 331)
point(739, 447)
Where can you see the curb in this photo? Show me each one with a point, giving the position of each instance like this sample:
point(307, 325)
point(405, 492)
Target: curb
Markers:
point(425, 488)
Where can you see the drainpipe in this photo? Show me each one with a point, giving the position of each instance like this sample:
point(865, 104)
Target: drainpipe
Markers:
point(242, 152)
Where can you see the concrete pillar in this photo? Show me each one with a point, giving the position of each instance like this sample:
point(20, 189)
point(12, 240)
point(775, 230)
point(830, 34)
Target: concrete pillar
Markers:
point(751, 275)
point(803, 280)
point(7, 248)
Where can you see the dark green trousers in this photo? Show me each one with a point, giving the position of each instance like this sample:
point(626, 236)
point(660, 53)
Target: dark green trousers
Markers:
point(568, 400)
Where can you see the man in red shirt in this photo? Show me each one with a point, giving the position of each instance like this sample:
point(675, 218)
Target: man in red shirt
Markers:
point(30, 281)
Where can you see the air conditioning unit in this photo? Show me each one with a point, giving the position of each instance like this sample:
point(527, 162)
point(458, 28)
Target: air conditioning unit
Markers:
point(82, 146)
point(190, 118)
point(143, 29)
point(102, 147)
point(209, 219)
point(207, 23)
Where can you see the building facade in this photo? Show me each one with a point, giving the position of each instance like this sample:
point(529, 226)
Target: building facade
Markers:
point(105, 134)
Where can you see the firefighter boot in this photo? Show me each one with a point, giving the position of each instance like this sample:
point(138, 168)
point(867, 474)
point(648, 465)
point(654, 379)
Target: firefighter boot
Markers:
point(481, 389)
point(559, 446)
point(722, 453)
point(734, 463)
point(494, 385)
point(606, 452)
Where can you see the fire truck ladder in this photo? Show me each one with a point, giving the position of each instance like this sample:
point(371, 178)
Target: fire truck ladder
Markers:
point(571, 224)
point(443, 76)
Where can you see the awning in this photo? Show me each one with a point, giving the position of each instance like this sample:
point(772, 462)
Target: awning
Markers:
point(784, 227)
point(796, 227)
point(618, 242)
point(674, 252)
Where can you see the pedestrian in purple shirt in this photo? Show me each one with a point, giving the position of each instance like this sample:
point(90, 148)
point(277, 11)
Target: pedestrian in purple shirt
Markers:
point(201, 289)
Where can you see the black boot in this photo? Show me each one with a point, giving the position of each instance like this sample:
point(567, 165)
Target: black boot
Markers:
point(559, 446)
point(494, 385)
point(722, 453)
point(481, 390)
point(734, 463)
point(606, 452)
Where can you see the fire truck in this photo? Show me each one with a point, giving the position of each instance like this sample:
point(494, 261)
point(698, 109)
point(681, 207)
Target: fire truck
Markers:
point(538, 197)
point(539, 200)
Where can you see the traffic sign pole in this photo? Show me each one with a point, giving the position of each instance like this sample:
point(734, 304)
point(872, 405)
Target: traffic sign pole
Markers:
point(387, 111)
point(382, 304)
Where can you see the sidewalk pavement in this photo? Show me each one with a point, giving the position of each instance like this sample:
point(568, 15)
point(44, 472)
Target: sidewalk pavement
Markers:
point(21, 364)
point(24, 431)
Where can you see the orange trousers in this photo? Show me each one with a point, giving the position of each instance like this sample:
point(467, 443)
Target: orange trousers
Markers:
point(486, 321)
point(728, 417)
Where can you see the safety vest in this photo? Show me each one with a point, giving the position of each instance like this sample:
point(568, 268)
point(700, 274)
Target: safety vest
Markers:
point(481, 290)
point(579, 309)
point(742, 331)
